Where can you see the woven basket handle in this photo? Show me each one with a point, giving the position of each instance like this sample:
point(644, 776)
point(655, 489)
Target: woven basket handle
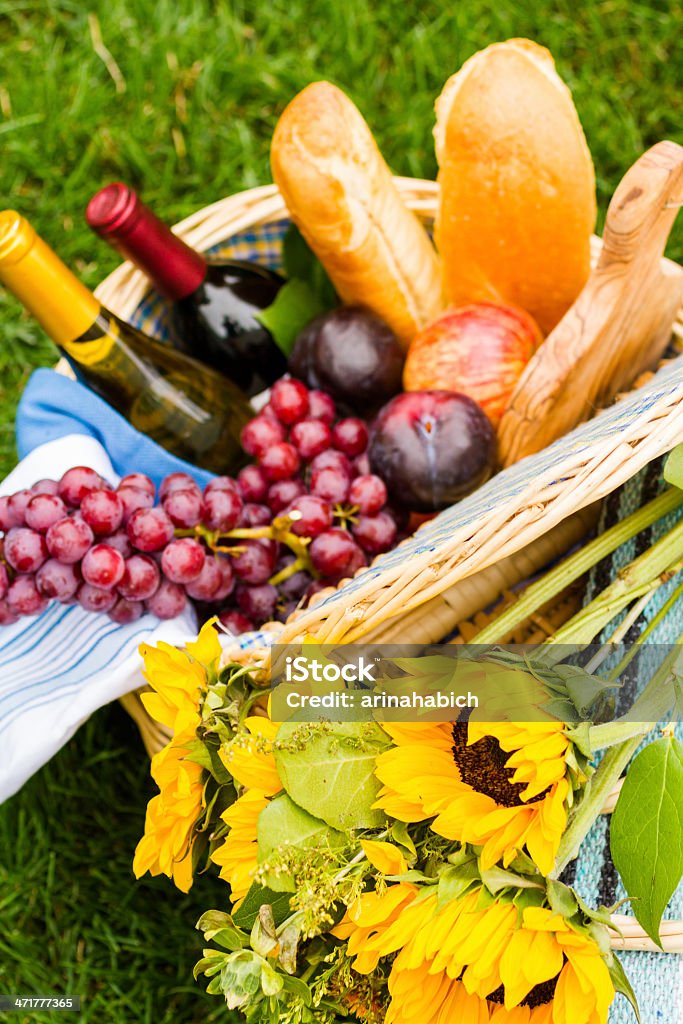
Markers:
point(621, 322)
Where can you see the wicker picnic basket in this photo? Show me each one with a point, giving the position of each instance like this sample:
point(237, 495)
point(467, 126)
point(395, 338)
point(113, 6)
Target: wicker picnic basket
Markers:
point(413, 592)
point(532, 510)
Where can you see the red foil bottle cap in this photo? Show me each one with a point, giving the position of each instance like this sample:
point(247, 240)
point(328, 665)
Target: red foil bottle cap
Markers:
point(117, 214)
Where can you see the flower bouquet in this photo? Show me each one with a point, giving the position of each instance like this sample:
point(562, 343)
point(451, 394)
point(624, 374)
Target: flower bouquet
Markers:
point(411, 872)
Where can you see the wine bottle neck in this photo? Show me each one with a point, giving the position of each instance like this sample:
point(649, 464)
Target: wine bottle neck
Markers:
point(117, 214)
point(63, 306)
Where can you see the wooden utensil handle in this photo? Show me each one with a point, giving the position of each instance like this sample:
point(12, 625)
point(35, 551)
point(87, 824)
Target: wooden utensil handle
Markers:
point(643, 209)
point(621, 322)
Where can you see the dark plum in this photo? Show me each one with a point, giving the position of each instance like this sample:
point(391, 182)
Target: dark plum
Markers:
point(431, 448)
point(353, 355)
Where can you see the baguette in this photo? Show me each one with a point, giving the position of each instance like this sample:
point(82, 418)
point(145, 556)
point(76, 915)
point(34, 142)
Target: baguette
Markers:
point(342, 197)
point(517, 185)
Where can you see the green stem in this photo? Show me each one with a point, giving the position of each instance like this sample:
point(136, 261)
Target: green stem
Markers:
point(594, 798)
point(576, 565)
point(617, 757)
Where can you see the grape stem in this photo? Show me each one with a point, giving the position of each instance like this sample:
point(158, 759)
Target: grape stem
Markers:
point(279, 530)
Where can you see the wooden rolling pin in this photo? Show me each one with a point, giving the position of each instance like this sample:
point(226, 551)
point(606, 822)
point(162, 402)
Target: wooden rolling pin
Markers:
point(621, 322)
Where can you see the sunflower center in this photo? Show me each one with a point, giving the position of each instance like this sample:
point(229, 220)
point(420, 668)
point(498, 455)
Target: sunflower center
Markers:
point(538, 996)
point(483, 766)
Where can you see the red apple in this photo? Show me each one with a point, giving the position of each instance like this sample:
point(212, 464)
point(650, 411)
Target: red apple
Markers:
point(478, 350)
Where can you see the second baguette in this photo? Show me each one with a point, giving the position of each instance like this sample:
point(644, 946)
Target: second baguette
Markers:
point(517, 203)
point(341, 195)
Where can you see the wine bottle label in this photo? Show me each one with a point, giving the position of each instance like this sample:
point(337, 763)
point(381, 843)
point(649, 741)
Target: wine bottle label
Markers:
point(94, 346)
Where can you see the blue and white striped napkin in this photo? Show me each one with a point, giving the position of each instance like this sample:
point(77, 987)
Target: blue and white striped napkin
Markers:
point(59, 667)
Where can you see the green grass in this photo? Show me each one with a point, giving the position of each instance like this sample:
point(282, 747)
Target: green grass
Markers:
point(204, 83)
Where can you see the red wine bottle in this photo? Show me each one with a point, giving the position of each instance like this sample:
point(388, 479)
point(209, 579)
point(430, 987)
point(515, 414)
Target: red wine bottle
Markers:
point(214, 301)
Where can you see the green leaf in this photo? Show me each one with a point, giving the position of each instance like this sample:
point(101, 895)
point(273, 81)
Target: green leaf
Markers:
point(295, 305)
point(331, 775)
point(299, 988)
point(455, 880)
point(673, 467)
point(647, 831)
point(496, 879)
point(284, 822)
point(300, 261)
point(257, 897)
point(622, 984)
point(561, 898)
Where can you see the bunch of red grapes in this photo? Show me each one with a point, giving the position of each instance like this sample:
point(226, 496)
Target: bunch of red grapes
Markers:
point(305, 515)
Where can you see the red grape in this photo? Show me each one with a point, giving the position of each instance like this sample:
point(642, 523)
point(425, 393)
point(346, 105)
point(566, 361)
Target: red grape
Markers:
point(330, 484)
point(375, 533)
point(315, 515)
point(24, 549)
point(4, 580)
point(176, 482)
point(208, 583)
point(119, 540)
point(369, 493)
point(310, 437)
point(149, 529)
point(102, 510)
point(332, 551)
point(183, 560)
point(252, 483)
point(138, 480)
point(24, 598)
point(95, 599)
point(296, 585)
point(227, 580)
point(254, 515)
point(283, 493)
point(76, 483)
point(235, 622)
point(289, 400)
point(221, 483)
point(168, 600)
point(322, 407)
point(6, 517)
point(221, 510)
point(256, 562)
point(361, 465)
point(350, 436)
point(45, 486)
point(260, 434)
point(184, 508)
point(43, 510)
point(332, 459)
point(133, 498)
point(125, 612)
point(140, 579)
point(358, 560)
point(257, 602)
point(68, 539)
point(56, 580)
point(9, 617)
point(280, 461)
point(103, 566)
point(16, 507)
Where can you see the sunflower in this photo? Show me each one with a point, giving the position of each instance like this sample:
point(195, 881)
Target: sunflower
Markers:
point(165, 847)
point(237, 856)
point(502, 786)
point(478, 962)
point(249, 758)
point(178, 680)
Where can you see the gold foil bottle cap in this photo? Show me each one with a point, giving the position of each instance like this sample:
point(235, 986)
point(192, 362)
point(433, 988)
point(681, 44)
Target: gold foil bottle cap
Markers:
point(16, 237)
point(29, 268)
